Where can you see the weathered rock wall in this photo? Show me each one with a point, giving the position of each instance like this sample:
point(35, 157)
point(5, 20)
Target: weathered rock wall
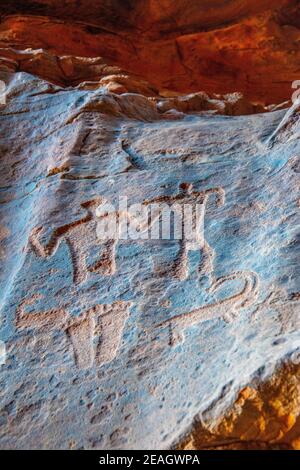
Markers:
point(76, 376)
point(128, 343)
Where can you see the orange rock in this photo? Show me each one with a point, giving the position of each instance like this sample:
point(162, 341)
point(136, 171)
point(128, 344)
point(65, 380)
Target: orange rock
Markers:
point(296, 443)
point(248, 393)
point(219, 47)
point(288, 421)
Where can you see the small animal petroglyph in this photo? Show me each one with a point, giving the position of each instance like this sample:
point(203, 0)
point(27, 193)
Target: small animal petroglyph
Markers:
point(267, 304)
point(228, 309)
point(95, 335)
point(195, 240)
point(136, 163)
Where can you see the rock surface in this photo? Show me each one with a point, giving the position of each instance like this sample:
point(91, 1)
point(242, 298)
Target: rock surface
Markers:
point(219, 46)
point(264, 416)
point(74, 377)
point(128, 343)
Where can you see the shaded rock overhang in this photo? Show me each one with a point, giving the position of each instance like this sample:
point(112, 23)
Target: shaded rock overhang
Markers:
point(184, 46)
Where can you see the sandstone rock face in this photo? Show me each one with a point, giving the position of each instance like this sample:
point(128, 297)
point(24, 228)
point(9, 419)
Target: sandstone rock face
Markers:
point(125, 343)
point(102, 343)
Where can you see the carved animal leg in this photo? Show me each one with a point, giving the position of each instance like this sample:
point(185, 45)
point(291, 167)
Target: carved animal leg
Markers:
point(111, 326)
point(206, 264)
point(106, 265)
point(180, 269)
point(42, 250)
point(81, 334)
point(78, 260)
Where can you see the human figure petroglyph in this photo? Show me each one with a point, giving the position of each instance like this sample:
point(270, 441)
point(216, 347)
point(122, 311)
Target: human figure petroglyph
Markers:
point(104, 321)
point(193, 237)
point(227, 309)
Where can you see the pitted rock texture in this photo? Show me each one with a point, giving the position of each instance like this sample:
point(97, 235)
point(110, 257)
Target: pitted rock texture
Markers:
point(124, 344)
point(136, 344)
point(214, 45)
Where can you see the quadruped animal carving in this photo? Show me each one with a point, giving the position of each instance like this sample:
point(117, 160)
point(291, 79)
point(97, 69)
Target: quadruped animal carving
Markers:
point(194, 238)
point(81, 235)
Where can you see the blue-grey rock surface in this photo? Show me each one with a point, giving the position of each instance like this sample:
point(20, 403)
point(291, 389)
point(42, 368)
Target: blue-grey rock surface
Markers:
point(125, 344)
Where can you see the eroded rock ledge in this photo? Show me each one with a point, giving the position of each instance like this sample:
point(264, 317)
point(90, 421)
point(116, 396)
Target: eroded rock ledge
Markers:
point(185, 46)
point(96, 74)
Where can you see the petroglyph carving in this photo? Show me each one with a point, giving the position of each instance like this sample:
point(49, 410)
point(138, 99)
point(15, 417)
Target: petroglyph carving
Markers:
point(287, 307)
point(53, 319)
point(106, 265)
point(271, 299)
point(83, 234)
point(109, 328)
point(80, 236)
point(81, 334)
point(103, 324)
point(228, 309)
point(195, 238)
point(116, 225)
point(136, 162)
